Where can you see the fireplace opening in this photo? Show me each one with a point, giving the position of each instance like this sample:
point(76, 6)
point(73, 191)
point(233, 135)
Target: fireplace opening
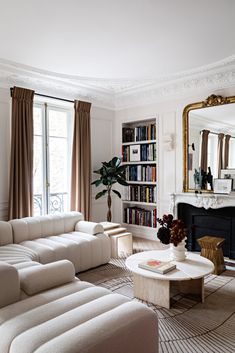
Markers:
point(219, 222)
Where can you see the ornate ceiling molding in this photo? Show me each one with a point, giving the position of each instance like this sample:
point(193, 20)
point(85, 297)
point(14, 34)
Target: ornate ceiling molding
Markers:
point(123, 93)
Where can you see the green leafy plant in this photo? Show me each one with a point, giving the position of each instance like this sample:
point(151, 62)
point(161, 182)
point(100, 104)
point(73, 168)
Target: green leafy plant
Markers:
point(111, 172)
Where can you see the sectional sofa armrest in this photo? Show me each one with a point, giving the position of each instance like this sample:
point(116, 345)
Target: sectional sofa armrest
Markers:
point(89, 227)
point(9, 284)
point(39, 278)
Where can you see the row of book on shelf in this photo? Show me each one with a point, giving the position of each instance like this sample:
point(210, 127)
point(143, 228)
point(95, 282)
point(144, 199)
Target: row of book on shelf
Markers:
point(140, 216)
point(141, 173)
point(140, 193)
point(139, 133)
point(137, 153)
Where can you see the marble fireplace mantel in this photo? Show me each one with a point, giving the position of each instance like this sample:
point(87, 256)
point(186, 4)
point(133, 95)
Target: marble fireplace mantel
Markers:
point(205, 200)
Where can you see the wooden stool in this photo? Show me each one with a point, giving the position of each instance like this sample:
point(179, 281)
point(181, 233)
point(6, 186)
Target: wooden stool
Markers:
point(211, 248)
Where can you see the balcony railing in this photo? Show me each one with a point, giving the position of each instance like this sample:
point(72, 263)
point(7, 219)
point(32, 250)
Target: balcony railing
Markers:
point(57, 203)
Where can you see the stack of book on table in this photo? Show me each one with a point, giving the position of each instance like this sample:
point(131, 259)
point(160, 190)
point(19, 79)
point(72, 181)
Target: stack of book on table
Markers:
point(157, 266)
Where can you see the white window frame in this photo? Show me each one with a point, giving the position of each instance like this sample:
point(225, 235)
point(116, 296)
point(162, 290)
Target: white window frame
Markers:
point(45, 107)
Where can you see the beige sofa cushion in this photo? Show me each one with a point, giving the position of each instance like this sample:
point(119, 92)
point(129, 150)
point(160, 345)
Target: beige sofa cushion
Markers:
point(36, 279)
point(83, 318)
point(16, 253)
point(83, 250)
point(89, 227)
point(9, 284)
point(6, 236)
point(31, 228)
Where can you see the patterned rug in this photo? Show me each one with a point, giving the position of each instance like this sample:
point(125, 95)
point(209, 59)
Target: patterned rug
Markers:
point(189, 326)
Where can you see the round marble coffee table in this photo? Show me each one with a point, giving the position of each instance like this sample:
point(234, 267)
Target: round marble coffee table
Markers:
point(156, 288)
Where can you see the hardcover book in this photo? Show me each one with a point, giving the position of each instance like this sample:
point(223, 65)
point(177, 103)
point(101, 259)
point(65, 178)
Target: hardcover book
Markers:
point(157, 266)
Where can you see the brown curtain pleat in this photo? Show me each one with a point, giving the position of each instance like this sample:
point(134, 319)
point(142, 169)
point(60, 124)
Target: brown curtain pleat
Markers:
point(81, 160)
point(21, 165)
point(226, 151)
point(204, 150)
point(220, 153)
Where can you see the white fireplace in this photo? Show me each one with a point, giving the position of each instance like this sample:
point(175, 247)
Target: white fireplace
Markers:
point(206, 214)
point(205, 200)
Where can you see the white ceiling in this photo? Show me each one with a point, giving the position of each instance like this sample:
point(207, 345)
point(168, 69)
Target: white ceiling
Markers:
point(114, 39)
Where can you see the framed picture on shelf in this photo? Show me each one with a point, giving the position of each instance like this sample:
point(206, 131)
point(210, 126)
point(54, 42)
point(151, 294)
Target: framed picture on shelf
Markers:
point(229, 174)
point(222, 186)
point(134, 153)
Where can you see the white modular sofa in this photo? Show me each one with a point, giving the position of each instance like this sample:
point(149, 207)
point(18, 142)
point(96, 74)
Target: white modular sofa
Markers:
point(45, 309)
point(55, 237)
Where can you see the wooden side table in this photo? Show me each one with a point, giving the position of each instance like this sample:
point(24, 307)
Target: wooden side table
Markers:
point(211, 248)
point(121, 239)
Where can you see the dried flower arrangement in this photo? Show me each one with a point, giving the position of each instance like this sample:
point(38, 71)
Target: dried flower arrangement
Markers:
point(171, 230)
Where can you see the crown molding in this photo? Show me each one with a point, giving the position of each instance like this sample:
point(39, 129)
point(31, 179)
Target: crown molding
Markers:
point(212, 77)
point(14, 74)
point(118, 94)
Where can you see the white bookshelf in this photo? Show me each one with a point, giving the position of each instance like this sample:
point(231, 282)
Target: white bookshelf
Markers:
point(141, 182)
point(140, 162)
point(139, 204)
point(139, 142)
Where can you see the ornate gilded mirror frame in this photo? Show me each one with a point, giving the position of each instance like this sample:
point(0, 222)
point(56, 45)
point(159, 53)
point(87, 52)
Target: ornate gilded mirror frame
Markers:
point(211, 101)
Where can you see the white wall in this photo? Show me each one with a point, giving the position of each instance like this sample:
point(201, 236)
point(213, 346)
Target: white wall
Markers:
point(102, 122)
point(101, 139)
point(106, 142)
point(169, 162)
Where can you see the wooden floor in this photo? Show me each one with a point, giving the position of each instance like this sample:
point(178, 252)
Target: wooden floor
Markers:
point(140, 244)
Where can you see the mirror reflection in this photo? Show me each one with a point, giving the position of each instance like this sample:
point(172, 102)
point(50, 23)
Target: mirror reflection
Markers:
point(210, 139)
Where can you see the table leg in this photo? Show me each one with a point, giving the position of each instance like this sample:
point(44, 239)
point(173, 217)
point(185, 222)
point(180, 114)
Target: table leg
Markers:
point(193, 286)
point(155, 291)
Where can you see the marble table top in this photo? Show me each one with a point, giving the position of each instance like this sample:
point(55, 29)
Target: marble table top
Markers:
point(193, 267)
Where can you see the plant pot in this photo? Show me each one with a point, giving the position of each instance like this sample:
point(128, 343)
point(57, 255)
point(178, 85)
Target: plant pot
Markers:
point(178, 253)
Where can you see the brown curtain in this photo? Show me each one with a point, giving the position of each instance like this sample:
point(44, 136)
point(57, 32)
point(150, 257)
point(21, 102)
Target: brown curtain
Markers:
point(81, 160)
point(21, 165)
point(226, 151)
point(204, 150)
point(220, 153)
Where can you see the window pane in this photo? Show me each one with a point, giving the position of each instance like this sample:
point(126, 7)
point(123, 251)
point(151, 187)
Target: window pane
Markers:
point(231, 153)
point(38, 175)
point(212, 155)
point(58, 123)
point(58, 165)
point(52, 163)
point(37, 120)
point(59, 159)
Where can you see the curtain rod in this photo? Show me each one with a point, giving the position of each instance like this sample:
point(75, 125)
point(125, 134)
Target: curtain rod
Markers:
point(46, 96)
point(216, 133)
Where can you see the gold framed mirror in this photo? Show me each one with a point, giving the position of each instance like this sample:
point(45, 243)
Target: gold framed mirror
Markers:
point(208, 142)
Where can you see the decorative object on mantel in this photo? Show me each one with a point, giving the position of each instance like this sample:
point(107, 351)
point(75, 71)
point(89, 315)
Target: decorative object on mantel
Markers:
point(110, 173)
point(229, 174)
point(173, 232)
point(202, 179)
point(222, 186)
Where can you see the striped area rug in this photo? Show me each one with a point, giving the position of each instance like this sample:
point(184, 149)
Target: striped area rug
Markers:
point(189, 326)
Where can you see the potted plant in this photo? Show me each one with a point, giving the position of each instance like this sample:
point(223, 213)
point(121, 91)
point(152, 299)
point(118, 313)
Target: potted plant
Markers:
point(173, 232)
point(111, 172)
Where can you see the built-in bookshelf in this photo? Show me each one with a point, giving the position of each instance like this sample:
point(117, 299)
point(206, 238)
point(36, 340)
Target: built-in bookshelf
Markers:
point(139, 155)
